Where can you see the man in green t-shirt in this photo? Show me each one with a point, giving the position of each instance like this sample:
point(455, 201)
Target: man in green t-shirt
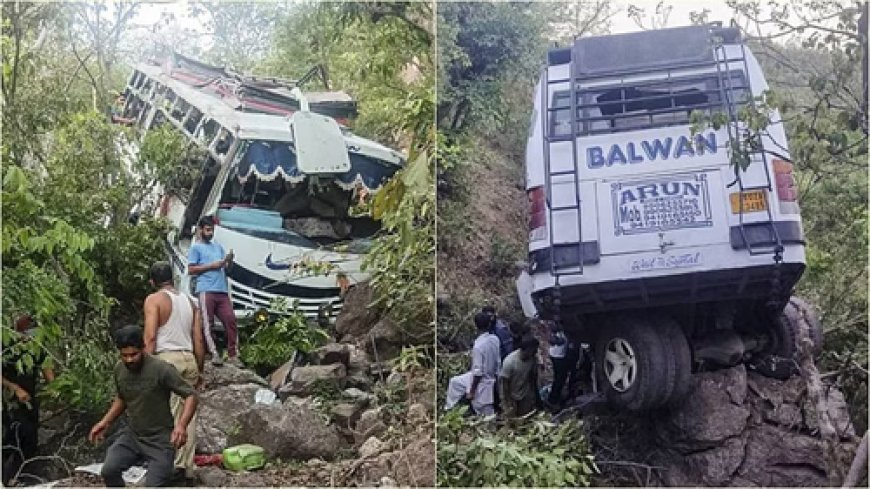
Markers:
point(144, 385)
point(518, 379)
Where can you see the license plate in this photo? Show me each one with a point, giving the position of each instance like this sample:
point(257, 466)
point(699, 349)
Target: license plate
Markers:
point(753, 201)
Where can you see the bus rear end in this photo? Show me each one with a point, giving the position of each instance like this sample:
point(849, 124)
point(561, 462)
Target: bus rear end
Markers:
point(642, 205)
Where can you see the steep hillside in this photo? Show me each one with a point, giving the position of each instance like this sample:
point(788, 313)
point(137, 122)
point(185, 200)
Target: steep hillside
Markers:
point(481, 238)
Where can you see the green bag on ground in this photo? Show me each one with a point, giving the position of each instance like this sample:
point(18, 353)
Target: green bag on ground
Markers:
point(244, 457)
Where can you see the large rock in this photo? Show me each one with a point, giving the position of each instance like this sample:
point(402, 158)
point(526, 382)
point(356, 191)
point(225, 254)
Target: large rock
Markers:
point(712, 467)
point(346, 414)
point(356, 316)
point(370, 424)
point(217, 415)
point(211, 476)
point(739, 430)
point(358, 360)
point(358, 396)
point(299, 433)
point(780, 457)
point(373, 446)
point(414, 465)
point(384, 340)
point(838, 412)
point(333, 353)
point(227, 374)
point(304, 379)
point(359, 380)
point(713, 412)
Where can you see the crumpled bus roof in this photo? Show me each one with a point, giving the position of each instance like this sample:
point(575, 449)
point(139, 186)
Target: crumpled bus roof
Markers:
point(371, 162)
point(257, 93)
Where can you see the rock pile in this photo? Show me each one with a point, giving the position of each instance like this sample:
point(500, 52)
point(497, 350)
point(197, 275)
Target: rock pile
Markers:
point(739, 428)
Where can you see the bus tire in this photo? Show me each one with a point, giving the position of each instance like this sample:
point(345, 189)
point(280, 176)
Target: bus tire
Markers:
point(785, 329)
point(632, 364)
point(677, 348)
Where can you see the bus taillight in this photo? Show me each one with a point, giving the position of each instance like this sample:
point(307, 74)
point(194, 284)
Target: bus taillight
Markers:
point(537, 214)
point(786, 188)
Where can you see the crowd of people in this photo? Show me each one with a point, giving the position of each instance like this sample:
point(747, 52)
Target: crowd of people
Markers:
point(157, 378)
point(503, 378)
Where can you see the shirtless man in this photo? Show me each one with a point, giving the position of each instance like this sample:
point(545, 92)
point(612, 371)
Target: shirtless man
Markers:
point(173, 333)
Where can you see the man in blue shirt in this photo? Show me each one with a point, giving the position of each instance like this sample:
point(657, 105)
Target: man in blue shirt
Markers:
point(207, 262)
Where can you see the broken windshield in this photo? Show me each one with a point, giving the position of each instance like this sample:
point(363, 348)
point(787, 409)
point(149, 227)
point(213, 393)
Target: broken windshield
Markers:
point(317, 208)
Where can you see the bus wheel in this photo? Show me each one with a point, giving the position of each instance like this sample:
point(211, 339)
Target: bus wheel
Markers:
point(779, 359)
point(632, 364)
point(679, 355)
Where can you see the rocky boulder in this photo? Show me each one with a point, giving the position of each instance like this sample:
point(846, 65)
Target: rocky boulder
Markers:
point(373, 446)
point(411, 466)
point(304, 379)
point(356, 316)
point(384, 341)
point(722, 392)
point(332, 353)
point(358, 360)
point(370, 424)
point(744, 429)
point(227, 374)
point(217, 415)
point(298, 433)
point(346, 414)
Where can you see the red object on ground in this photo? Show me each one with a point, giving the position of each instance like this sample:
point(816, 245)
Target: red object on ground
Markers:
point(201, 460)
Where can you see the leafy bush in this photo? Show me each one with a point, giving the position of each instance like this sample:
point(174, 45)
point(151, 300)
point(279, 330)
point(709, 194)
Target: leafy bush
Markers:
point(536, 453)
point(271, 344)
point(402, 261)
point(123, 255)
point(503, 256)
point(86, 381)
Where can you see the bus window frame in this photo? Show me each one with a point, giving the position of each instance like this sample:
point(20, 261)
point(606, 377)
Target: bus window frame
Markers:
point(587, 102)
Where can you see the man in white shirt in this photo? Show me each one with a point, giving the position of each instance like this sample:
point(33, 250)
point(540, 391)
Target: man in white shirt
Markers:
point(173, 333)
point(478, 385)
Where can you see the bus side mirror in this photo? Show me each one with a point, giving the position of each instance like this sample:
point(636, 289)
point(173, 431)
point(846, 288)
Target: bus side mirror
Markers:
point(320, 146)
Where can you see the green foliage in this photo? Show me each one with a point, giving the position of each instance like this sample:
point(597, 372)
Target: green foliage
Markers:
point(46, 274)
point(503, 257)
point(380, 53)
point(273, 343)
point(482, 49)
point(166, 154)
point(122, 258)
point(536, 453)
point(402, 261)
point(86, 380)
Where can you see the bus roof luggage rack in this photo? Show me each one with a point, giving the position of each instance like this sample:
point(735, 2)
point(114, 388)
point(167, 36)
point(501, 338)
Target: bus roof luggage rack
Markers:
point(672, 48)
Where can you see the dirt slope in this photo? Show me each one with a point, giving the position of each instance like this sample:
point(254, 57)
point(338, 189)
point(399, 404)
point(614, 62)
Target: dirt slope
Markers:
point(482, 236)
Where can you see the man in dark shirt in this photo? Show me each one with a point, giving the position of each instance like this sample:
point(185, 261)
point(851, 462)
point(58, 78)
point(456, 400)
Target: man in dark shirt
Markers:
point(500, 329)
point(21, 412)
point(144, 385)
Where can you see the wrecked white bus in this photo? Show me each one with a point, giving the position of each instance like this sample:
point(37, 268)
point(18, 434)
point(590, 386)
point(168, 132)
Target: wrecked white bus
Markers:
point(645, 240)
point(288, 219)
